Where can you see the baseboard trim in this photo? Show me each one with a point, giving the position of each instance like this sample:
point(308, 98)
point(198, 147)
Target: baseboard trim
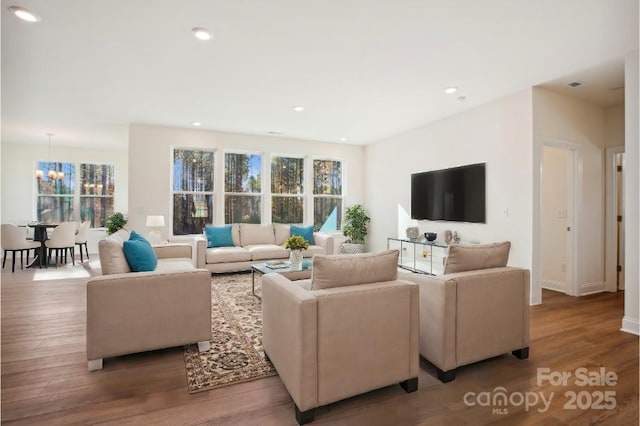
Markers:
point(592, 288)
point(554, 285)
point(630, 325)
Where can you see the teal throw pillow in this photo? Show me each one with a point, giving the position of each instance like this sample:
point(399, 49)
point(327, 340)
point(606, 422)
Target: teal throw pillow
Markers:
point(139, 253)
point(305, 232)
point(218, 236)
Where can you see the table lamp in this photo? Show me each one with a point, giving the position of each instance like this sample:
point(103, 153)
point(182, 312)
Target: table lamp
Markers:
point(155, 223)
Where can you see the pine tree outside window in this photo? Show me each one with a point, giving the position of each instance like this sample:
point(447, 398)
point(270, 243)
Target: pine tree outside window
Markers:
point(243, 188)
point(193, 190)
point(287, 190)
point(327, 195)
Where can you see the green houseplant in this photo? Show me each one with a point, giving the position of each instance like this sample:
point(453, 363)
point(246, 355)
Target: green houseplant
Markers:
point(355, 229)
point(115, 222)
point(296, 244)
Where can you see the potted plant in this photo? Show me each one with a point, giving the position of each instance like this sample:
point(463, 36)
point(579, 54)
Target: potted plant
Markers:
point(115, 222)
point(355, 229)
point(296, 244)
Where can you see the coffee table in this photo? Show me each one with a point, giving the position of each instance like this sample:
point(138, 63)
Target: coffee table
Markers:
point(293, 275)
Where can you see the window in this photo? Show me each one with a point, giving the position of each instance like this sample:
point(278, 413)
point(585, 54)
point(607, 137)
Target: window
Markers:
point(56, 191)
point(242, 186)
point(96, 193)
point(192, 190)
point(327, 195)
point(287, 190)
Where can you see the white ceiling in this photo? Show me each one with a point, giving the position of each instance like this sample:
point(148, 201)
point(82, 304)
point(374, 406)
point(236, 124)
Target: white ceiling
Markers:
point(364, 70)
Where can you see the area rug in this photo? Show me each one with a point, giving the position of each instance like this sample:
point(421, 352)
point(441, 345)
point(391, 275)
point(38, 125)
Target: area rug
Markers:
point(236, 353)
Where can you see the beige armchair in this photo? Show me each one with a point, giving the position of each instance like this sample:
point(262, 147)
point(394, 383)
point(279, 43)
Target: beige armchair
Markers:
point(350, 329)
point(477, 310)
point(129, 312)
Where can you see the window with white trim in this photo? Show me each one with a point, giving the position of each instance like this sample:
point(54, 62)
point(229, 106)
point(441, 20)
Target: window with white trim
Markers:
point(193, 190)
point(96, 193)
point(327, 195)
point(56, 191)
point(243, 188)
point(287, 190)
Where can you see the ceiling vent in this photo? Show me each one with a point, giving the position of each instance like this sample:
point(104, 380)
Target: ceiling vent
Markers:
point(575, 84)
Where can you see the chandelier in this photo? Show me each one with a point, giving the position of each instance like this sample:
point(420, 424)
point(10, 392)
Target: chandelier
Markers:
point(52, 173)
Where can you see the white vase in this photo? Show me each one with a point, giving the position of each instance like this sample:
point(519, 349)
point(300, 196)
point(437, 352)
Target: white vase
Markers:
point(295, 259)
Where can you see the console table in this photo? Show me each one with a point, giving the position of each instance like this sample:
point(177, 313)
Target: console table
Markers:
point(421, 256)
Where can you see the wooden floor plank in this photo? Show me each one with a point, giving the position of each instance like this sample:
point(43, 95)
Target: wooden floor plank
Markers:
point(45, 378)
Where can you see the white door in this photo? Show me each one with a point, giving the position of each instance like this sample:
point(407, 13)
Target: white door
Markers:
point(620, 219)
point(556, 214)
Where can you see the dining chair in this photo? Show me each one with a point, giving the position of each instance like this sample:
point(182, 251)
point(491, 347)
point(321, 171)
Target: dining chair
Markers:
point(14, 239)
point(63, 238)
point(81, 238)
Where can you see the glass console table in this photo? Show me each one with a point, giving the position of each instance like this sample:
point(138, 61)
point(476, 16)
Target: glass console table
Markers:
point(421, 256)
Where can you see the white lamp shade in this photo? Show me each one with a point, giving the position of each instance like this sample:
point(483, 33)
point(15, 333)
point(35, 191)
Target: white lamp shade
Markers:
point(155, 220)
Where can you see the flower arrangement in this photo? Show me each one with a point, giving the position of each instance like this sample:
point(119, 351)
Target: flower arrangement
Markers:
point(296, 242)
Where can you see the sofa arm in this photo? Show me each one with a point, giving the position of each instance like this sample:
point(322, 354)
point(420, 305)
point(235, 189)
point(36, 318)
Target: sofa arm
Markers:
point(173, 250)
point(198, 247)
point(437, 319)
point(493, 312)
point(140, 311)
point(289, 336)
point(325, 241)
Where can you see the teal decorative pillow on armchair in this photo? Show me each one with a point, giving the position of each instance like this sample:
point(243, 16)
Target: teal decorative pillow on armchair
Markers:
point(139, 253)
point(218, 236)
point(305, 232)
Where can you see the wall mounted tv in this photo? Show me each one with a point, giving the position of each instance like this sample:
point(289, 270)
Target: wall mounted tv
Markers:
point(456, 194)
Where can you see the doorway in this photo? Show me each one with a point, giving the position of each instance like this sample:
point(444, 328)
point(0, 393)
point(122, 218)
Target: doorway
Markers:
point(615, 219)
point(557, 214)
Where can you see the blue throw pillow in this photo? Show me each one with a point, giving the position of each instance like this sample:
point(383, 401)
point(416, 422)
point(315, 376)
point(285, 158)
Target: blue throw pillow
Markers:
point(218, 236)
point(305, 232)
point(139, 253)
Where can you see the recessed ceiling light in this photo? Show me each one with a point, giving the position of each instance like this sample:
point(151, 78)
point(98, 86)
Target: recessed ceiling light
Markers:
point(24, 14)
point(201, 33)
point(298, 108)
point(195, 123)
point(450, 90)
point(343, 139)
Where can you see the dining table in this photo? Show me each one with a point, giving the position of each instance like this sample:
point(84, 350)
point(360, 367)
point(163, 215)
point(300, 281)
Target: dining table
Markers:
point(40, 234)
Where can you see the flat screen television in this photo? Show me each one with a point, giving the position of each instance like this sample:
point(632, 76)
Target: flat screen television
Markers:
point(456, 194)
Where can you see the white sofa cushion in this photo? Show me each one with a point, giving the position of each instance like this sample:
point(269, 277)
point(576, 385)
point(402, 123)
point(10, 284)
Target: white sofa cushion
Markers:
point(252, 234)
point(112, 259)
point(174, 265)
point(267, 251)
point(282, 232)
point(227, 254)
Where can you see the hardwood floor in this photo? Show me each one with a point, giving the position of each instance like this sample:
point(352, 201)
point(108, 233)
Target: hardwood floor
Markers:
point(45, 378)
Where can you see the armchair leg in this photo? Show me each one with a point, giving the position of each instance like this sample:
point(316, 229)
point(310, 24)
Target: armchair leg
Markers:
point(446, 376)
point(521, 353)
point(203, 346)
point(95, 364)
point(304, 417)
point(410, 385)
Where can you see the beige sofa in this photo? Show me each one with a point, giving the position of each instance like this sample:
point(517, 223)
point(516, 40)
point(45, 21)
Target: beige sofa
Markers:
point(352, 328)
point(129, 312)
point(477, 309)
point(255, 243)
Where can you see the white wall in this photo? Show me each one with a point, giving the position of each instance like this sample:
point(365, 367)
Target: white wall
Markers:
point(631, 320)
point(498, 133)
point(19, 184)
point(558, 118)
point(614, 125)
point(150, 150)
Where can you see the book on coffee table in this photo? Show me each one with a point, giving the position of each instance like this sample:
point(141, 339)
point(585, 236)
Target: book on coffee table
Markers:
point(278, 264)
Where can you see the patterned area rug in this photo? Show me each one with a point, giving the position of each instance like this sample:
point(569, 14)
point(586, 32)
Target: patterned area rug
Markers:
point(236, 337)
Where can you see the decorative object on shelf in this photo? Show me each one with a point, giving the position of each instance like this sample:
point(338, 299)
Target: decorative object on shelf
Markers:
point(413, 232)
point(430, 236)
point(155, 223)
point(456, 237)
point(296, 244)
point(115, 222)
point(448, 236)
point(355, 228)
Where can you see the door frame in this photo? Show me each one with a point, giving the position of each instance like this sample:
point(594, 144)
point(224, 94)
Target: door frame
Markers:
point(576, 220)
point(611, 222)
